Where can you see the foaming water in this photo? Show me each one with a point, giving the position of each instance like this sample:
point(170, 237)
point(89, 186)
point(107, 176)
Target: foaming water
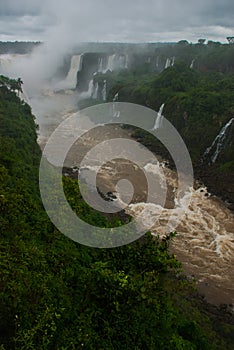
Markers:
point(205, 229)
point(204, 242)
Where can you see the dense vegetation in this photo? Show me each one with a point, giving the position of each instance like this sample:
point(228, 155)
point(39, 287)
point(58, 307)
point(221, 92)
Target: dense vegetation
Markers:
point(57, 294)
point(198, 102)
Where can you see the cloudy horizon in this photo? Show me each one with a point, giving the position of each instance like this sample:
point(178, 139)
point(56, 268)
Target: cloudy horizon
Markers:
point(112, 21)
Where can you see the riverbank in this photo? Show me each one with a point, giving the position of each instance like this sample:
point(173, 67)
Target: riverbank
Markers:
point(200, 245)
point(221, 315)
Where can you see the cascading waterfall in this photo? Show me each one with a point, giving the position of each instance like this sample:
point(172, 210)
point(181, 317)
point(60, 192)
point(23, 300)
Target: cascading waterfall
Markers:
point(159, 119)
point(126, 66)
point(121, 62)
point(104, 91)
point(90, 88)
point(95, 90)
point(211, 154)
point(115, 113)
point(100, 65)
point(192, 64)
point(168, 63)
point(116, 97)
point(75, 67)
point(111, 63)
point(98, 90)
point(117, 62)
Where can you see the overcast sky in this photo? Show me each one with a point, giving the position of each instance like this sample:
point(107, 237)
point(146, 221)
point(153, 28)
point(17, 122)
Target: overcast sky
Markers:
point(121, 20)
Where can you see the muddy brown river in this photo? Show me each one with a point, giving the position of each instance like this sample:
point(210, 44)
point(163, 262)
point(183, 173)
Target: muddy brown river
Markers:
point(205, 234)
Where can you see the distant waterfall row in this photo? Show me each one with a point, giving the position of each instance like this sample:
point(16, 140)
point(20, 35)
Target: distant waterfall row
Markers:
point(113, 62)
point(84, 67)
point(98, 90)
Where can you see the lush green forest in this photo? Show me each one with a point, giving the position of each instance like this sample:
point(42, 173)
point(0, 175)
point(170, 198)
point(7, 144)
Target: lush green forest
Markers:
point(57, 294)
point(194, 101)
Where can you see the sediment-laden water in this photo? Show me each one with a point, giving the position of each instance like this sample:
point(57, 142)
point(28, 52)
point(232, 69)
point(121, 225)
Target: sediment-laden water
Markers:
point(205, 232)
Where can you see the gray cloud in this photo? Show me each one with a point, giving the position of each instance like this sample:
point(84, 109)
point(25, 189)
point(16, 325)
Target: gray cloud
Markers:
point(20, 8)
point(62, 24)
point(122, 20)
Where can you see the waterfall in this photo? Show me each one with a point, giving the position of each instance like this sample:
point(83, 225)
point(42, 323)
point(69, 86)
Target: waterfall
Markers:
point(110, 63)
point(90, 89)
point(115, 113)
point(168, 63)
point(214, 150)
point(116, 62)
point(192, 64)
point(157, 62)
point(159, 119)
point(95, 91)
point(116, 97)
point(121, 62)
point(76, 65)
point(104, 91)
point(126, 66)
point(100, 65)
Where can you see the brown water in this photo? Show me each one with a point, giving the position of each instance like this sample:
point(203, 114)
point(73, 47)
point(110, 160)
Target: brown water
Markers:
point(205, 240)
point(204, 243)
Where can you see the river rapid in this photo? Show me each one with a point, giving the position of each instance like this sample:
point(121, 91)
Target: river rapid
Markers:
point(205, 234)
